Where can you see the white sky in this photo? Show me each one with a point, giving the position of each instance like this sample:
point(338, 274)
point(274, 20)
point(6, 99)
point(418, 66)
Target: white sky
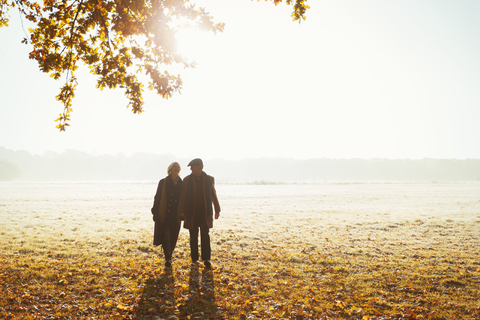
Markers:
point(357, 79)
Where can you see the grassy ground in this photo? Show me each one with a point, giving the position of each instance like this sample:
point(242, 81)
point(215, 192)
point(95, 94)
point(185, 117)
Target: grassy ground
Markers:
point(405, 270)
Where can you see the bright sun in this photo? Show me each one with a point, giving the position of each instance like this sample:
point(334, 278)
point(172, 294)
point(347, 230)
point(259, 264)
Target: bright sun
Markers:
point(193, 43)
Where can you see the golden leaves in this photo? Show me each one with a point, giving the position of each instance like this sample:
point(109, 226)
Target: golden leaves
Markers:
point(299, 8)
point(103, 34)
point(124, 308)
point(131, 286)
point(66, 95)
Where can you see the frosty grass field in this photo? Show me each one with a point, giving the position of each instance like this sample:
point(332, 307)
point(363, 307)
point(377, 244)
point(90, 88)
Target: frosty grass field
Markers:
point(278, 213)
point(327, 243)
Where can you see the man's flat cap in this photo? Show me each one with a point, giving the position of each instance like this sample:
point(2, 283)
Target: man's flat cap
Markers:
point(196, 162)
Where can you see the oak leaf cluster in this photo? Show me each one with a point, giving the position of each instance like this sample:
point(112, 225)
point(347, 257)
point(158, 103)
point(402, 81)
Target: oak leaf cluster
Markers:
point(118, 40)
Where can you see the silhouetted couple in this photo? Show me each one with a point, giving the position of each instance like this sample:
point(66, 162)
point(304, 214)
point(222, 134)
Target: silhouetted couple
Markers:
point(189, 200)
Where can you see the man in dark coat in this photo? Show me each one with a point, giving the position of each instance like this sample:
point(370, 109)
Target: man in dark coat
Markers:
point(195, 207)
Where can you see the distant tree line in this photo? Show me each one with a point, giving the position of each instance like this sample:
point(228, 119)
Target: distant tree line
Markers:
point(8, 170)
point(315, 170)
point(74, 165)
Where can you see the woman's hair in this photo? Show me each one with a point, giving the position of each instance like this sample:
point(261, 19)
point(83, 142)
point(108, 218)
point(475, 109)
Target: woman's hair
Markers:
point(171, 166)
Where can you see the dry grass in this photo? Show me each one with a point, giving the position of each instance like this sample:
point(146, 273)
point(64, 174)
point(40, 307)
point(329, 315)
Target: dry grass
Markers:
point(273, 260)
point(410, 270)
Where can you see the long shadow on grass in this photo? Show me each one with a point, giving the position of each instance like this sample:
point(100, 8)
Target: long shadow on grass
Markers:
point(158, 298)
point(162, 298)
point(200, 303)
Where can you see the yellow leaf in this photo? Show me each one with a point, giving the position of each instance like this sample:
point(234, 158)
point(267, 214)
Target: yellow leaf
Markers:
point(122, 307)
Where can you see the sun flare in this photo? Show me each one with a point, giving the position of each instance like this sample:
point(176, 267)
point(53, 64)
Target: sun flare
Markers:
point(189, 42)
point(192, 43)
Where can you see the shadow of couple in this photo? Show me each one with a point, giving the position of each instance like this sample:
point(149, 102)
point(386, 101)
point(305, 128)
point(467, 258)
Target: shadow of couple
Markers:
point(164, 298)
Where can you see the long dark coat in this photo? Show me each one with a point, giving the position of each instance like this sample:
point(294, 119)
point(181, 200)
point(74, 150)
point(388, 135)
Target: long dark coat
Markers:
point(172, 219)
point(187, 205)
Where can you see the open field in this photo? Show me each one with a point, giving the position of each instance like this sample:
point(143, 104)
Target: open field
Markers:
point(319, 251)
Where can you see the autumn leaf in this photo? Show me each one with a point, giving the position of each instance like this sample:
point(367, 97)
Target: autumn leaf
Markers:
point(116, 40)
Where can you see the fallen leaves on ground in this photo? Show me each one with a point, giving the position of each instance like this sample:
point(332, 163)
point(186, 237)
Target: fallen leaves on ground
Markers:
point(337, 275)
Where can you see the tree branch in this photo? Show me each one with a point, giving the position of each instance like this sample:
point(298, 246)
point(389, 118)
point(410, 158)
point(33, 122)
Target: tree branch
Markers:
point(71, 37)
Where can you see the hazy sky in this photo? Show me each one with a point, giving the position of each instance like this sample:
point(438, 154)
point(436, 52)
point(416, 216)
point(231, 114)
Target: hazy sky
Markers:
point(357, 79)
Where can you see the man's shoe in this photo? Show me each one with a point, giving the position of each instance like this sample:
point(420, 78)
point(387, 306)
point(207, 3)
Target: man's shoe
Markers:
point(168, 264)
point(208, 264)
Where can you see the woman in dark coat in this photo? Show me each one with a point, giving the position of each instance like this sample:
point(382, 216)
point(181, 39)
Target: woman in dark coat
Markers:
point(165, 212)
